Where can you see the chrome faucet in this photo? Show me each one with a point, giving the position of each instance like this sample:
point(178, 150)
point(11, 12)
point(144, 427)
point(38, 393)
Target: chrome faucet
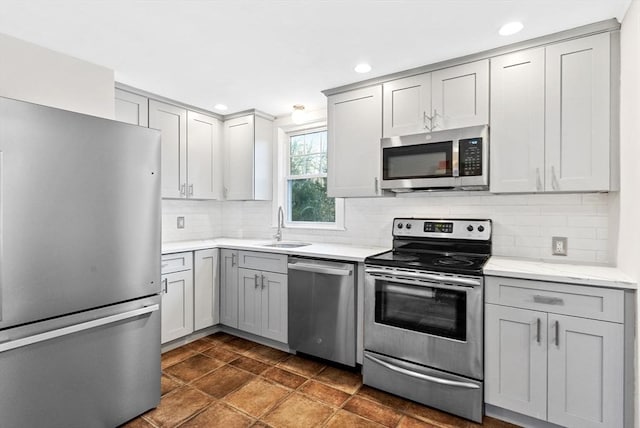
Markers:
point(278, 235)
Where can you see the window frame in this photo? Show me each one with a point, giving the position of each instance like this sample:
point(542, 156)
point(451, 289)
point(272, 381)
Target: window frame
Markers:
point(284, 177)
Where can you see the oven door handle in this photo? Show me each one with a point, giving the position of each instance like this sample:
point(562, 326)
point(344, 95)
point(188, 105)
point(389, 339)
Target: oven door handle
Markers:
point(468, 282)
point(421, 376)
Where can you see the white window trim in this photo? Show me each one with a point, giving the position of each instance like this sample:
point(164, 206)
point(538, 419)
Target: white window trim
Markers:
point(283, 135)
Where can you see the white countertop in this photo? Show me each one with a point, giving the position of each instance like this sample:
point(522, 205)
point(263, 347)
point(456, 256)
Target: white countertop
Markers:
point(602, 276)
point(322, 250)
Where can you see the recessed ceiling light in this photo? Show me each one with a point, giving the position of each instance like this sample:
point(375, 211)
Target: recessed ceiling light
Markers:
point(220, 107)
point(510, 28)
point(363, 68)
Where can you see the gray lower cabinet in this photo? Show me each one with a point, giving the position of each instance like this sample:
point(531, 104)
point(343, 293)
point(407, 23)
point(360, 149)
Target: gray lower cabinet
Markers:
point(555, 351)
point(205, 288)
point(177, 296)
point(262, 295)
point(229, 287)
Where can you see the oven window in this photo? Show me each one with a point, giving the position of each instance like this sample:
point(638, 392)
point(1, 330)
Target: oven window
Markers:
point(434, 311)
point(418, 161)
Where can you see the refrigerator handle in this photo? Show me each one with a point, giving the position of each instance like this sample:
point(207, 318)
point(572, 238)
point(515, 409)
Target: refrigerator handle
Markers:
point(65, 331)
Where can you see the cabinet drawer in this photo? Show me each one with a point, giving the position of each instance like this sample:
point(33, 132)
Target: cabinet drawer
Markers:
point(271, 262)
point(176, 262)
point(577, 300)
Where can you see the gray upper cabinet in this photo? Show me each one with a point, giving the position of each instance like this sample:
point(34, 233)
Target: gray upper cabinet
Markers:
point(172, 122)
point(453, 97)
point(131, 108)
point(578, 114)
point(191, 151)
point(248, 156)
point(354, 131)
point(517, 122)
point(407, 105)
point(460, 96)
point(551, 118)
point(204, 156)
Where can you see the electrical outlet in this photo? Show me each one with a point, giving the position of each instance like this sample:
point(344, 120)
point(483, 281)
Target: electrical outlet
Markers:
point(180, 222)
point(559, 246)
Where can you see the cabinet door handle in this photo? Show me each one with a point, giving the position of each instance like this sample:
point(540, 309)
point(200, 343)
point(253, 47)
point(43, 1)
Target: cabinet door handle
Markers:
point(538, 330)
point(375, 184)
point(262, 281)
point(538, 180)
point(233, 259)
point(183, 188)
point(256, 280)
point(165, 285)
point(434, 121)
point(557, 338)
point(426, 117)
point(190, 189)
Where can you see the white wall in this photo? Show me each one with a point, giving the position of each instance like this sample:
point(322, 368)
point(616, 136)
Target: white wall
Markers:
point(628, 252)
point(32, 73)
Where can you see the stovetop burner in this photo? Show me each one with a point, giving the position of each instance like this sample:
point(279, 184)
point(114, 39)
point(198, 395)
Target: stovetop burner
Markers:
point(453, 246)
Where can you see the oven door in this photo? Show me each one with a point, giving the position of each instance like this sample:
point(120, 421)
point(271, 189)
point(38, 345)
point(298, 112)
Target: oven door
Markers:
point(425, 317)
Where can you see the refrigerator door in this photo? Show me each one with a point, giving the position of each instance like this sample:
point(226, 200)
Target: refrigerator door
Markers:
point(79, 212)
point(93, 369)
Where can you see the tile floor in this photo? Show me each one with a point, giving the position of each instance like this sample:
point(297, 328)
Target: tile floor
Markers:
point(225, 381)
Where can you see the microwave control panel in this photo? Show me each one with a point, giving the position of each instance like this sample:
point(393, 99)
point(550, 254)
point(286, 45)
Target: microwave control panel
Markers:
point(470, 157)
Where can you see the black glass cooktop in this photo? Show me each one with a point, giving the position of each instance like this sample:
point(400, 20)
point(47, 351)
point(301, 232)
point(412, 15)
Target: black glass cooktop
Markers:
point(462, 263)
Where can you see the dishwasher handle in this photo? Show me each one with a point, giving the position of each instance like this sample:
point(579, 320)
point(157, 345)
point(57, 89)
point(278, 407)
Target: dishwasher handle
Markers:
point(321, 268)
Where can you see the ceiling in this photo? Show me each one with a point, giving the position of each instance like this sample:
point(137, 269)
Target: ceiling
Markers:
point(272, 54)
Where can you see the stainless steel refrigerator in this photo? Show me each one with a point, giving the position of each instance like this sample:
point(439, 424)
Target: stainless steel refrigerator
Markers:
point(79, 268)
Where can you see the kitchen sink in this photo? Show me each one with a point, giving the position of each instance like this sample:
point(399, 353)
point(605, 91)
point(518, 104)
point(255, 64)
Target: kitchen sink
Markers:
point(286, 244)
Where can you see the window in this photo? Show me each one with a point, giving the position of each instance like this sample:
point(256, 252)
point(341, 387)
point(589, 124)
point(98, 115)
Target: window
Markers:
point(306, 179)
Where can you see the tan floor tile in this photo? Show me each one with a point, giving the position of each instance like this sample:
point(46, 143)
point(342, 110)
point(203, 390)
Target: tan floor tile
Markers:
point(324, 393)
point(220, 353)
point(347, 419)
point(303, 366)
point(437, 417)
point(382, 397)
point(220, 337)
point(193, 367)
point(219, 415)
point(409, 422)
point(137, 423)
point(284, 377)
point(178, 406)
point(375, 411)
point(298, 411)
point(175, 356)
point(222, 381)
point(343, 380)
point(238, 345)
point(267, 354)
point(249, 364)
point(257, 397)
point(200, 345)
point(167, 384)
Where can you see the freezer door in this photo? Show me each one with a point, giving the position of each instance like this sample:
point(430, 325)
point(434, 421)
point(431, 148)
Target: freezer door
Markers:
point(80, 212)
point(94, 369)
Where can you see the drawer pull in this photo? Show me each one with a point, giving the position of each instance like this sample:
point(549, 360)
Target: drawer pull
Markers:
point(546, 300)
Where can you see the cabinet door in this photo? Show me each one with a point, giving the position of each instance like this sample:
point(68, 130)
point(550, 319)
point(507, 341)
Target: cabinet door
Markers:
point(406, 105)
point(249, 301)
point(354, 132)
point(460, 96)
point(516, 360)
point(274, 306)
point(585, 372)
point(517, 122)
point(205, 285)
point(577, 114)
point(203, 156)
point(172, 122)
point(238, 143)
point(229, 287)
point(177, 305)
point(132, 108)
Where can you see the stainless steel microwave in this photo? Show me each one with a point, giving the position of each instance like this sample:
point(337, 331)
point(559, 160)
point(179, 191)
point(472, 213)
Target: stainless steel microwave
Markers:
point(456, 159)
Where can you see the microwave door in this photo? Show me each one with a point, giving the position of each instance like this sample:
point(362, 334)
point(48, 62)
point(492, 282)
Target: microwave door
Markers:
point(419, 165)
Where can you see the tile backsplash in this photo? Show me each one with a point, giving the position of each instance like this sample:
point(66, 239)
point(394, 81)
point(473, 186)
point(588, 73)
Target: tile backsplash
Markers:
point(522, 224)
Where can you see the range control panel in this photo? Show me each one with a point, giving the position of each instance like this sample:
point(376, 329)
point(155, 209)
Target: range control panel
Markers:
point(442, 228)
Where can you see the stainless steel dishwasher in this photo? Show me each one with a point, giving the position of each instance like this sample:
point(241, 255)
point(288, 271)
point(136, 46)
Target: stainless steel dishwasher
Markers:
point(322, 309)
